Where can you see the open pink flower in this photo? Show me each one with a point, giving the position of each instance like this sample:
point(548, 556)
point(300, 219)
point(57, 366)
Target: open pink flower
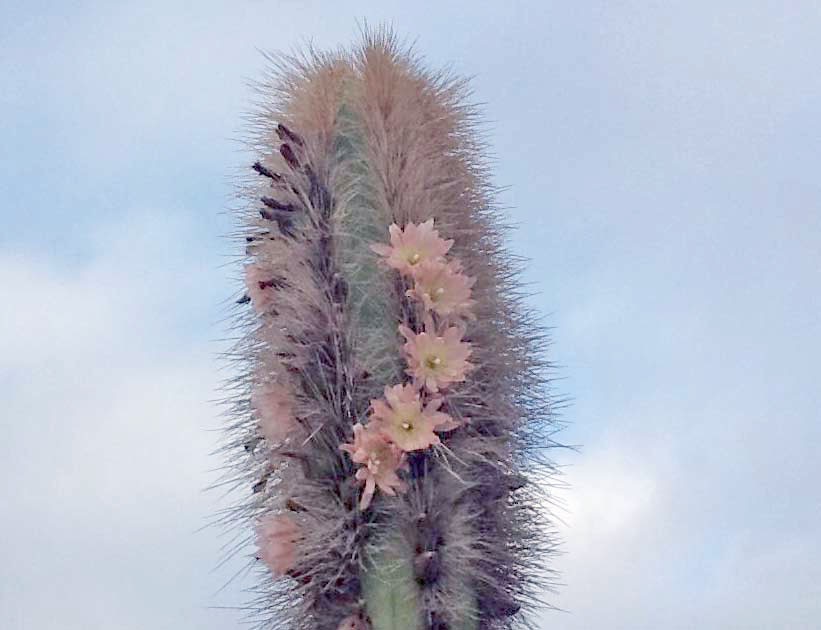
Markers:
point(443, 288)
point(380, 460)
point(412, 246)
point(403, 419)
point(275, 409)
point(436, 361)
point(277, 536)
point(259, 284)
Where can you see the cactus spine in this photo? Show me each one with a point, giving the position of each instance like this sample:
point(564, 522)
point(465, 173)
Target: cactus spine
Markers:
point(393, 410)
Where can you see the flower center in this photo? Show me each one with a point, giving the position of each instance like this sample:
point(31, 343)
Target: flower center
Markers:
point(407, 426)
point(433, 362)
point(414, 258)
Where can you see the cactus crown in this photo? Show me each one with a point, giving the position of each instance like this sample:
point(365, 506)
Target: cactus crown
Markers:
point(392, 414)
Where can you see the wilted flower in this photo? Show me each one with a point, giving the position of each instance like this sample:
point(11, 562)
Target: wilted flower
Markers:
point(412, 246)
point(277, 536)
point(380, 460)
point(403, 419)
point(275, 410)
point(260, 288)
point(436, 361)
point(443, 288)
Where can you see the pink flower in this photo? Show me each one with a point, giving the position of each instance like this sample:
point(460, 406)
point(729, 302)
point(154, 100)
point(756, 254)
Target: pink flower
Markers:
point(403, 419)
point(412, 245)
point(436, 361)
point(443, 288)
point(277, 536)
point(380, 460)
point(275, 410)
point(354, 623)
point(259, 284)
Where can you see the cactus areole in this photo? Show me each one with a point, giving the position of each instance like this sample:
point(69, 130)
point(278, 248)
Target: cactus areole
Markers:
point(391, 417)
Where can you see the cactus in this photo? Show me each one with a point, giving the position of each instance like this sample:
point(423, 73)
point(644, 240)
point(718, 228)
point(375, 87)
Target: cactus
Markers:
point(392, 414)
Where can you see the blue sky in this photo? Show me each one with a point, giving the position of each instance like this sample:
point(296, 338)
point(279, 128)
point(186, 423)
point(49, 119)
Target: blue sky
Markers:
point(662, 164)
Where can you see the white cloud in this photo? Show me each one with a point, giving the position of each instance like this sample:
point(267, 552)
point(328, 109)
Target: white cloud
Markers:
point(698, 528)
point(107, 436)
point(43, 316)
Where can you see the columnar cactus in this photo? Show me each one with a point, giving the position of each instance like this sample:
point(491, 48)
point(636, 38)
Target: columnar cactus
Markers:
point(392, 416)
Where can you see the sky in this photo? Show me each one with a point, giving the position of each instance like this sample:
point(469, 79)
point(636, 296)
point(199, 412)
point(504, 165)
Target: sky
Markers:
point(661, 162)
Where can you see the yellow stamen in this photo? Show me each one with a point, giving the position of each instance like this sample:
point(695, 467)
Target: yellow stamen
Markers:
point(415, 258)
point(433, 362)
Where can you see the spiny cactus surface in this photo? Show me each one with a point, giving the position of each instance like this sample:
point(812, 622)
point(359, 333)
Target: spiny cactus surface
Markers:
point(392, 415)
